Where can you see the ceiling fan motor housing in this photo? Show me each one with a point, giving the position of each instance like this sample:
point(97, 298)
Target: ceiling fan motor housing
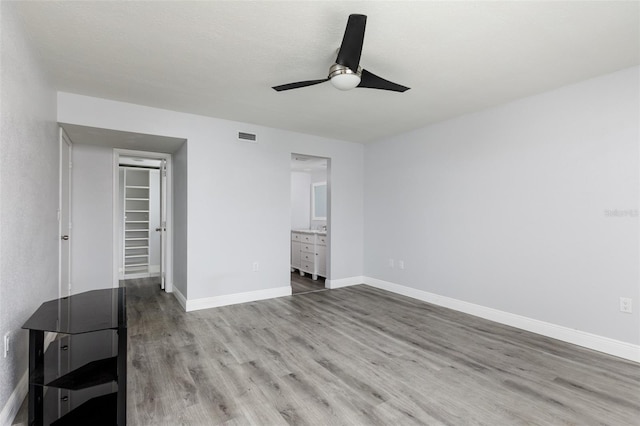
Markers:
point(343, 77)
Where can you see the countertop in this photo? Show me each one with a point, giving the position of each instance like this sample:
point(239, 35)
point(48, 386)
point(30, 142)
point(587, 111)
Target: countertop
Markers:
point(310, 231)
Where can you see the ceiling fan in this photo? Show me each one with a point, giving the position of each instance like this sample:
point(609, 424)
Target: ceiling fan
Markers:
point(346, 73)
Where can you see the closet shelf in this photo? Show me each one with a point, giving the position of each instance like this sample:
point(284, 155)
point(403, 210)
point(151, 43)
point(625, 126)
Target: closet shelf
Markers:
point(137, 218)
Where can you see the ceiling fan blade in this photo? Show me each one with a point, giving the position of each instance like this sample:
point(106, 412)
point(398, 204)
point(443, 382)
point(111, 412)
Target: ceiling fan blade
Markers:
point(372, 81)
point(351, 47)
point(298, 84)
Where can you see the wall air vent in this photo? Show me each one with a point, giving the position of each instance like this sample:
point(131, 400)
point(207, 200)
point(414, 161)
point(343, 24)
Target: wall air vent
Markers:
point(247, 137)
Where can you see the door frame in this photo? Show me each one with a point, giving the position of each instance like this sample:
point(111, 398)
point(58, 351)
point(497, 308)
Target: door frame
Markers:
point(64, 289)
point(168, 257)
point(328, 218)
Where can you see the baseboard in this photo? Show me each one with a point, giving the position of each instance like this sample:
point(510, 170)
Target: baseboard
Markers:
point(138, 275)
point(18, 395)
point(232, 299)
point(344, 282)
point(591, 341)
point(180, 297)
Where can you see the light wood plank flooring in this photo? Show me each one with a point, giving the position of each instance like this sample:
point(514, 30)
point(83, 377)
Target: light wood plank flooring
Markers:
point(359, 356)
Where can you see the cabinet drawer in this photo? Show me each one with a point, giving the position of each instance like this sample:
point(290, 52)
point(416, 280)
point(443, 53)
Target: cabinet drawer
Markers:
point(307, 238)
point(307, 247)
point(307, 267)
point(322, 239)
point(295, 254)
point(307, 257)
point(296, 236)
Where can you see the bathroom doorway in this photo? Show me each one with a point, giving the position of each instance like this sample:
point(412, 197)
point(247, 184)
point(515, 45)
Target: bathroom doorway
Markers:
point(310, 222)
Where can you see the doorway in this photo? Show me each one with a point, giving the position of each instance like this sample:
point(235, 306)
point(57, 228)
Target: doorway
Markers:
point(310, 220)
point(142, 214)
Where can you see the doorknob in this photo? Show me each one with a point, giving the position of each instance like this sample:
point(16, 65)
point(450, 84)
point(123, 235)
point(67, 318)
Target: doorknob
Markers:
point(64, 237)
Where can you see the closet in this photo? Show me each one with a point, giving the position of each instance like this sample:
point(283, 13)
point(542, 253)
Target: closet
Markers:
point(136, 220)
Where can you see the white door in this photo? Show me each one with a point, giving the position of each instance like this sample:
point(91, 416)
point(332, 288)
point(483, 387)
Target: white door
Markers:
point(163, 222)
point(64, 215)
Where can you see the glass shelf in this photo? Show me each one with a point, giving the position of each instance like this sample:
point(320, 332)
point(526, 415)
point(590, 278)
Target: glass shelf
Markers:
point(97, 411)
point(78, 362)
point(81, 313)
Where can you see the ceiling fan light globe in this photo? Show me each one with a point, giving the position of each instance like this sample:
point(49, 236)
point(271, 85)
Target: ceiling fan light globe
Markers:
point(345, 81)
point(343, 78)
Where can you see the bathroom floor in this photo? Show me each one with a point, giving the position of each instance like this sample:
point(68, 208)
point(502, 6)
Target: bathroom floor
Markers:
point(305, 284)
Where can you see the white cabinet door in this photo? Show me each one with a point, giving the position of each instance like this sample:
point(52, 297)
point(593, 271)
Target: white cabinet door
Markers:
point(295, 254)
point(321, 260)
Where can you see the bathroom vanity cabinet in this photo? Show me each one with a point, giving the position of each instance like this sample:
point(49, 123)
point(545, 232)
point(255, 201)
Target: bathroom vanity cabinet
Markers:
point(308, 252)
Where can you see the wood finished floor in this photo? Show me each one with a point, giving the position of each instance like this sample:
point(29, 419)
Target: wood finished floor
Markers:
point(359, 356)
point(305, 284)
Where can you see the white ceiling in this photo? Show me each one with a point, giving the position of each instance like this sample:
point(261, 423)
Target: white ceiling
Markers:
point(220, 59)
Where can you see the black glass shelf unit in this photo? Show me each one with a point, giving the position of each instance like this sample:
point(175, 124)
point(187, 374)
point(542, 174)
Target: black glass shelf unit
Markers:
point(84, 364)
point(78, 361)
point(97, 411)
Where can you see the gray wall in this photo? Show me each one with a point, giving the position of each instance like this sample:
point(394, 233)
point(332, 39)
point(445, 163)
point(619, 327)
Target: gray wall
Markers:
point(92, 218)
point(508, 208)
point(180, 213)
point(239, 194)
point(28, 196)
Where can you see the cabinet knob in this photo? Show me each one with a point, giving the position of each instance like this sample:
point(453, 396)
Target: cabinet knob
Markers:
point(65, 398)
point(64, 237)
point(65, 347)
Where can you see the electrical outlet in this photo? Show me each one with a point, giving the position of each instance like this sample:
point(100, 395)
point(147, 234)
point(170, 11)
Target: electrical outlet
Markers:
point(401, 264)
point(6, 344)
point(256, 266)
point(391, 263)
point(626, 305)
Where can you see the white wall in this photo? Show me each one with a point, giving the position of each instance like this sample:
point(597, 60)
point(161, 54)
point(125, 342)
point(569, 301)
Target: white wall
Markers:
point(238, 204)
point(92, 218)
point(28, 200)
point(300, 200)
point(507, 208)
